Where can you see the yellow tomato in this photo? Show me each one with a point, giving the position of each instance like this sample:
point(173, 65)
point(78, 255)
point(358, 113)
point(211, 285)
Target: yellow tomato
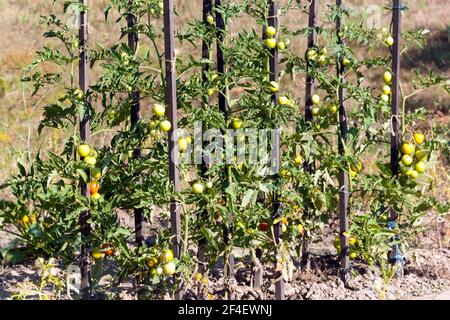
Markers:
point(169, 268)
point(420, 167)
point(89, 160)
point(315, 99)
point(408, 148)
point(97, 254)
point(151, 262)
point(407, 160)
point(419, 138)
point(159, 110)
point(271, 43)
point(165, 126)
point(167, 256)
point(83, 150)
point(271, 31)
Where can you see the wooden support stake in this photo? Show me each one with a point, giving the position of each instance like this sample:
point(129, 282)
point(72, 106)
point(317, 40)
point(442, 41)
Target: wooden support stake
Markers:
point(171, 101)
point(223, 106)
point(343, 175)
point(135, 115)
point(395, 132)
point(309, 167)
point(85, 262)
point(206, 52)
point(272, 20)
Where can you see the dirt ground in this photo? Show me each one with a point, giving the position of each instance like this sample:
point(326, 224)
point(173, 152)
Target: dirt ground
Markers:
point(426, 276)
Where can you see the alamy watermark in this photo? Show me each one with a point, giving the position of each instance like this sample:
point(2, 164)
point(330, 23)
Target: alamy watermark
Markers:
point(250, 146)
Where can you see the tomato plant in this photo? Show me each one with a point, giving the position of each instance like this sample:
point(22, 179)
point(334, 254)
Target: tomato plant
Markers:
point(48, 192)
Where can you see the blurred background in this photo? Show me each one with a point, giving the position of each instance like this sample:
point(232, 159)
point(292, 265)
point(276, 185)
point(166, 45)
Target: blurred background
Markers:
point(22, 35)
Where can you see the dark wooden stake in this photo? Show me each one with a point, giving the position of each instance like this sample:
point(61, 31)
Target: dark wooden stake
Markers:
point(223, 106)
point(343, 175)
point(312, 42)
point(396, 257)
point(206, 47)
point(272, 20)
point(85, 262)
point(171, 101)
point(135, 114)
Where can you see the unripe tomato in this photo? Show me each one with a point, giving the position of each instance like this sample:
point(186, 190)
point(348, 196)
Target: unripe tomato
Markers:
point(159, 110)
point(408, 148)
point(271, 31)
point(414, 174)
point(332, 108)
point(384, 97)
point(83, 150)
point(283, 173)
point(346, 62)
point(94, 187)
point(315, 111)
point(211, 91)
point(386, 89)
point(210, 19)
point(389, 41)
point(387, 76)
point(165, 125)
point(153, 272)
point(166, 256)
point(352, 254)
point(352, 240)
point(281, 45)
point(315, 99)
point(236, 123)
point(407, 160)
point(97, 254)
point(79, 94)
point(96, 196)
point(420, 167)
point(337, 242)
point(322, 60)
point(161, 5)
point(287, 42)
point(283, 100)
point(384, 30)
point(169, 268)
point(96, 173)
point(209, 185)
point(419, 138)
point(271, 43)
point(93, 153)
point(421, 154)
point(357, 168)
point(151, 262)
point(274, 86)
point(311, 54)
point(198, 188)
point(182, 144)
point(91, 161)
